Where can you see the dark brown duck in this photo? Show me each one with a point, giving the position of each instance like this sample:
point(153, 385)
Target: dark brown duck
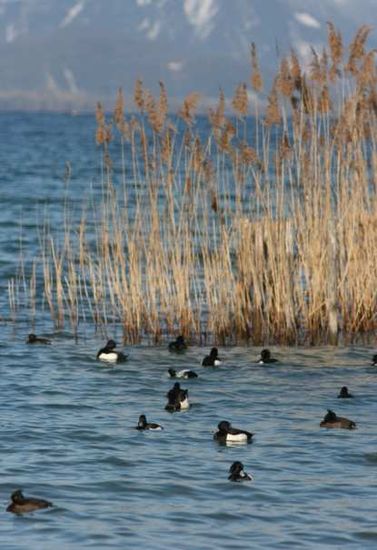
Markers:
point(34, 339)
point(331, 420)
point(344, 393)
point(22, 505)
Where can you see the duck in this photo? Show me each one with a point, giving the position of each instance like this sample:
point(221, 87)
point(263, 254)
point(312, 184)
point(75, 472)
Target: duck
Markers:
point(185, 373)
point(237, 473)
point(374, 361)
point(109, 355)
point(34, 339)
point(228, 434)
point(331, 420)
point(21, 504)
point(343, 394)
point(144, 425)
point(177, 399)
point(265, 357)
point(178, 345)
point(212, 360)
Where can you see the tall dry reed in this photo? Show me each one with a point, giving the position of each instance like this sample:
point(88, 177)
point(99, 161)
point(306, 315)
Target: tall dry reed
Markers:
point(263, 231)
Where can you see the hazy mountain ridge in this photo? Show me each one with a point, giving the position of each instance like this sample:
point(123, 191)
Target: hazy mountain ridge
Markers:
point(67, 53)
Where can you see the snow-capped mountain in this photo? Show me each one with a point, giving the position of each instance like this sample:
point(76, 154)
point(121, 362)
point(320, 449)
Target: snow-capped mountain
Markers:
point(59, 53)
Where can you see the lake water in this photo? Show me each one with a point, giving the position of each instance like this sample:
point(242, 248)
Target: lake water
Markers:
point(67, 421)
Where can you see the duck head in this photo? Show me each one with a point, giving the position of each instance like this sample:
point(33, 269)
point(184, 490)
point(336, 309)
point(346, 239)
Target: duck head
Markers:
point(17, 497)
point(344, 392)
point(236, 468)
point(110, 344)
point(224, 426)
point(237, 473)
point(330, 416)
point(265, 354)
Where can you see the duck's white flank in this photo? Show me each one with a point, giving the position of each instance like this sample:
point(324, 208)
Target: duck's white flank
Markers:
point(182, 373)
point(185, 404)
point(111, 357)
point(236, 438)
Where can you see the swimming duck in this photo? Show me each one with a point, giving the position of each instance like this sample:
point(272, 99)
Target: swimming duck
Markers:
point(343, 394)
point(177, 399)
point(178, 345)
point(237, 473)
point(228, 434)
point(33, 339)
point(185, 373)
point(374, 361)
point(331, 420)
point(144, 425)
point(109, 355)
point(265, 357)
point(212, 360)
point(21, 504)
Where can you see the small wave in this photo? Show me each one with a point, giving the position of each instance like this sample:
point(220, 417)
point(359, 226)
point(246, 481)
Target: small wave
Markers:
point(371, 457)
point(367, 535)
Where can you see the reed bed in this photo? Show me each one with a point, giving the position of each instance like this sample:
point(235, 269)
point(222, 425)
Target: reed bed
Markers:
point(261, 229)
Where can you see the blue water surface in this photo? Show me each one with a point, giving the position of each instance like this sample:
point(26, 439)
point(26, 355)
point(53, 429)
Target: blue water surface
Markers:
point(67, 427)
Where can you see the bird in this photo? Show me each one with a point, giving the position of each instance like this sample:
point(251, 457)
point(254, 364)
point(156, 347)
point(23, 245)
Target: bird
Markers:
point(33, 339)
point(343, 394)
point(228, 434)
point(331, 420)
point(178, 345)
point(265, 357)
point(237, 473)
point(177, 399)
point(212, 360)
point(374, 361)
point(21, 504)
point(144, 425)
point(185, 373)
point(109, 355)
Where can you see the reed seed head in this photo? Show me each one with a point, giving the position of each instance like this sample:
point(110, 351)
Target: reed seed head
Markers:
point(357, 49)
point(139, 95)
point(273, 115)
point(189, 107)
point(256, 76)
point(240, 101)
